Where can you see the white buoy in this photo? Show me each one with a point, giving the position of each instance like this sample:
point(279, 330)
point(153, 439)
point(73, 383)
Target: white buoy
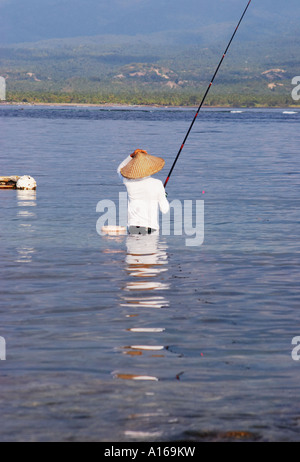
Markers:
point(26, 183)
point(114, 230)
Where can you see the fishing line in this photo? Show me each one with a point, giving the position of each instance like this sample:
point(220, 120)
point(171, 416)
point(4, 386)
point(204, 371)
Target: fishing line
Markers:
point(206, 93)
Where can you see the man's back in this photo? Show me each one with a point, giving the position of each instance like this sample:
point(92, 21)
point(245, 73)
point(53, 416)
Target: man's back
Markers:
point(145, 198)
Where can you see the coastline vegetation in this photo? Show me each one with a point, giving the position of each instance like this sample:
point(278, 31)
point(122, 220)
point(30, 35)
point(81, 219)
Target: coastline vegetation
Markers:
point(188, 99)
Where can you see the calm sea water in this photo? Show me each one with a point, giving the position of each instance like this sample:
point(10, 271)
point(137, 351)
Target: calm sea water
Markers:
point(146, 339)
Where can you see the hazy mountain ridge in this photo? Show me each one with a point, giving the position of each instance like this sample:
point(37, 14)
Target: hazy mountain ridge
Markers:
point(156, 59)
point(33, 20)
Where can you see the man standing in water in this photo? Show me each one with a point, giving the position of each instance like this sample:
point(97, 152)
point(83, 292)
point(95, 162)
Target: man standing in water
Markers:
point(146, 195)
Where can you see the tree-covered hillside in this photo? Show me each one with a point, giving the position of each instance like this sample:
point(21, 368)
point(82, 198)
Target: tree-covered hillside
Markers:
point(143, 71)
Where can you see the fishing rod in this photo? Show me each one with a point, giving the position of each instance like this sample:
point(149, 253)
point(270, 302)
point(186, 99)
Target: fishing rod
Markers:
point(206, 93)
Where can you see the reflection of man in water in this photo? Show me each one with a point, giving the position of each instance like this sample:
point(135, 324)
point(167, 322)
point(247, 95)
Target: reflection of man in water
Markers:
point(146, 195)
point(146, 260)
point(145, 256)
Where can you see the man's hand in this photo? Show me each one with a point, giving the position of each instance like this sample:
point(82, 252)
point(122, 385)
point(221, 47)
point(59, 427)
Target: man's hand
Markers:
point(137, 151)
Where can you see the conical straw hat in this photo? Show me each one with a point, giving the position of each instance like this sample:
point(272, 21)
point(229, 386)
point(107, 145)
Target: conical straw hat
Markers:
point(142, 165)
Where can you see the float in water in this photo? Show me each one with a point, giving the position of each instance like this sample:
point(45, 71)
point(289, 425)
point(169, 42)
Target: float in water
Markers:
point(25, 183)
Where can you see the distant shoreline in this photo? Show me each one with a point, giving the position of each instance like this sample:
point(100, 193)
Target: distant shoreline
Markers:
point(162, 106)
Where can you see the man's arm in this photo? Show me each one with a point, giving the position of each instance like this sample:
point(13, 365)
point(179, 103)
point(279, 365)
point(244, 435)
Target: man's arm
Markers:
point(122, 165)
point(163, 201)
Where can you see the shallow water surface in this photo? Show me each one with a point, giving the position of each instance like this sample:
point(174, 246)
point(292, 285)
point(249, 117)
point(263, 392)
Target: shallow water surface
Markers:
point(142, 338)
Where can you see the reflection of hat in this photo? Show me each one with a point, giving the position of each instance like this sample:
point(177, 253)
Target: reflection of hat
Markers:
point(142, 165)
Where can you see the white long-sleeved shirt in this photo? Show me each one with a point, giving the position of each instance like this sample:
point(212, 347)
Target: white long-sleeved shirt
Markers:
point(145, 198)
